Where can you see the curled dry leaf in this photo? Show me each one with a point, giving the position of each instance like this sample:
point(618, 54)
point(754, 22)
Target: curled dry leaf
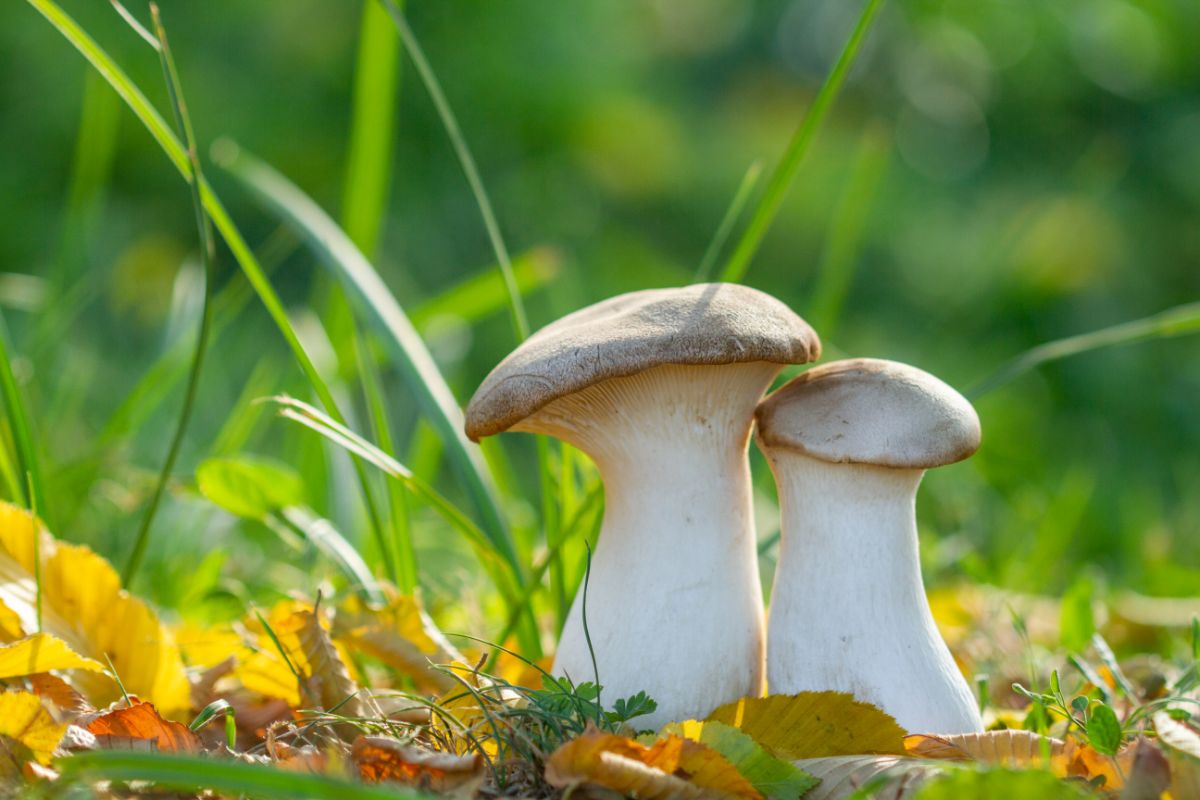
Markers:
point(813, 725)
point(26, 729)
point(401, 635)
point(1151, 773)
point(62, 697)
point(843, 776)
point(84, 605)
point(1181, 742)
point(382, 759)
point(1008, 748)
point(672, 768)
point(141, 726)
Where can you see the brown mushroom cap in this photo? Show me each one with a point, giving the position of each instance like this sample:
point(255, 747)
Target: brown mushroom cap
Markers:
point(869, 411)
point(710, 323)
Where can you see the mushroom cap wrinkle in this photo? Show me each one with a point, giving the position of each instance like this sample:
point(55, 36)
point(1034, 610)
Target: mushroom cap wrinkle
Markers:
point(708, 323)
point(870, 411)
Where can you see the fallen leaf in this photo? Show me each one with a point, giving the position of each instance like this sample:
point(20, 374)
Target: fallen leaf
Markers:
point(382, 759)
point(142, 723)
point(1150, 775)
point(84, 605)
point(813, 725)
point(60, 694)
point(1084, 761)
point(1007, 748)
point(41, 652)
point(1181, 742)
point(648, 773)
point(26, 727)
point(401, 635)
point(771, 776)
point(843, 776)
point(324, 675)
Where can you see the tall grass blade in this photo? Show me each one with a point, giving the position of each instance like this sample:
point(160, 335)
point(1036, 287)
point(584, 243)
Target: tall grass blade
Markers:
point(785, 172)
point(208, 257)
point(516, 308)
point(30, 476)
point(732, 215)
point(482, 294)
point(136, 100)
point(836, 267)
point(309, 525)
point(226, 778)
point(369, 160)
point(1177, 321)
point(401, 554)
point(409, 353)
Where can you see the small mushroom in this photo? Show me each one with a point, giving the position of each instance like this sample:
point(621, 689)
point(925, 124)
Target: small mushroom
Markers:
point(849, 442)
point(659, 388)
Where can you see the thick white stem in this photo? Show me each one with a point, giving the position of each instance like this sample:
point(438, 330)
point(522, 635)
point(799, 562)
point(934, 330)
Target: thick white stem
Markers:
point(848, 610)
point(673, 600)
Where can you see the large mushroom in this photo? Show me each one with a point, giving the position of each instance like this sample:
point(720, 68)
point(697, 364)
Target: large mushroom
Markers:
point(659, 388)
point(849, 442)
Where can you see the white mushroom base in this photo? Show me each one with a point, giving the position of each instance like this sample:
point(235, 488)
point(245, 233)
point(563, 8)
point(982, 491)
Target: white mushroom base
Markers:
point(848, 611)
point(674, 606)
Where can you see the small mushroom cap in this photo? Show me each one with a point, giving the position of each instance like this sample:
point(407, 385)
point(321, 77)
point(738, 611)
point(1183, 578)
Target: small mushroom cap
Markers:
point(710, 323)
point(870, 411)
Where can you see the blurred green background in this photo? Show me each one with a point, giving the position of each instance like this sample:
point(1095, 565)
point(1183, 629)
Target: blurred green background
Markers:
point(996, 174)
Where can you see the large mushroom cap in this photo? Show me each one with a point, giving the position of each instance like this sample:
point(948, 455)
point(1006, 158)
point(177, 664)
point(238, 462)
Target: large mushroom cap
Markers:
point(710, 323)
point(869, 411)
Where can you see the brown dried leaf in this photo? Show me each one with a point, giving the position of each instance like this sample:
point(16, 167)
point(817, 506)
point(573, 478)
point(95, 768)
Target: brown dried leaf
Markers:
point(673, 768)
point(142, 723)
point(1008, 748)
point(1151, 773)
point(69, 703)
point(382, 759)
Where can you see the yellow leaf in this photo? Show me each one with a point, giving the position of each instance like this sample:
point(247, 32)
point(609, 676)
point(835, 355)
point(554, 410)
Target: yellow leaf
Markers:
point(1007, 748)
point(84, 605)
point(401, 635)
point(41, 652)
point(648, 773)
point(813, 725)
point(24, 720)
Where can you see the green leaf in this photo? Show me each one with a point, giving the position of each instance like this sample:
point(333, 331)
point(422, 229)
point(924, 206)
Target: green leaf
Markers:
point(813, 725)
point(626, 708)
point(773, 777)
point(1103, 729)
point(998, 784)
point(249, 486)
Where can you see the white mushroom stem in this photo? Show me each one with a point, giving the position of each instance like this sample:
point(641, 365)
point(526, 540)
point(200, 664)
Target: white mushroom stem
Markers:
point(848, 610)
point(674, 605)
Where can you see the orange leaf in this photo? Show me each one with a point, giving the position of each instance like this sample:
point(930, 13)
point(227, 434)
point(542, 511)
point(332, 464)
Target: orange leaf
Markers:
point(380, 758)
point(142, 722)
point(673, 768)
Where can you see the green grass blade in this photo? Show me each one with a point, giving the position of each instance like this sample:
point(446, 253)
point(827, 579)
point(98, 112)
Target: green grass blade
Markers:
point(732, 215)
point(482, 294)
point(785, 171)
point(33, 493)
point(136, 100)
point(309, 525)
point(836, 268)
point(458, 141)
point(1176, 321)
point(402, 554)
point(227, 778)
point(208, 257)
point(369, 160)
point(409, 353)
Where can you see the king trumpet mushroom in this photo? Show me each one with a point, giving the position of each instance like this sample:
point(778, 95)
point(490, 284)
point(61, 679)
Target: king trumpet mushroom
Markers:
point(849, 442)
point(659, 388)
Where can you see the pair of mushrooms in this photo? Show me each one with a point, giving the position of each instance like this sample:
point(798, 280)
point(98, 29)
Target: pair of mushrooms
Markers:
point(660, 389)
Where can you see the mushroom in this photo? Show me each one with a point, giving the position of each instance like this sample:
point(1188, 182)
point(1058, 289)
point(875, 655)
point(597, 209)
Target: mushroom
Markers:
point(659, 388)
point(849, 442)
